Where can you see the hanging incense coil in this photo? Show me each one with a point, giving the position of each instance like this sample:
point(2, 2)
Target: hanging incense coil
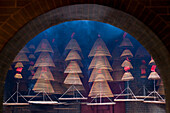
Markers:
point(31, 56)
point(161, 90)
point(99, 49)
point(73, 55)
point(21, 57)
point(73, 45)
point(154, 76)
point(99, 62)
point(126, 53)
point(100, 88)
point(31, 47)
point(78, 87)
point(117, 65)
point(43, 73)
point(126, 63)
point(127, 76)
point(95, 73)
point(126, 43)
point(19, 64)
point(31, 68)
point(58, 88)
point(73, 78)
point(73, 67)
point(43, 85)
point(44, 46)
point(24, 50)
point(44, 60)
point(117, 75)
point(142, 52)
point(152, 62)
point(18, 76)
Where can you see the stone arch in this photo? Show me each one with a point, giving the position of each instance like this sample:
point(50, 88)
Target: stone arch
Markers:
point(88, 12)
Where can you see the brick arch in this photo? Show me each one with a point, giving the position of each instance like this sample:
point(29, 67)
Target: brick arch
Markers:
point(82, 12)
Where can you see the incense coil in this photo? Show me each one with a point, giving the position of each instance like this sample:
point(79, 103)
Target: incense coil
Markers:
point(21, 57)
point(73, 55)
point(31, 56)
point(127, 53)
point(31, 46)
point(73, 78)
point(44, 60)
point(154, 76)
point(44, 46)
point(142, 52)
point(127, 76)
point(58, 88)
point(24, 50)
point(43, 85)
point(19, 64)
point(99, 49)
point(73, 67)
point(99, 62)
point(95, 73)
point(126, 63)
point(126, 43)
point(43, 73)
point(18, 76)
point(73, 45)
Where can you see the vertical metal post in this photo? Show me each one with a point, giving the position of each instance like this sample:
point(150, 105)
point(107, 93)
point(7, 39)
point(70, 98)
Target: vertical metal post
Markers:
point(17, 90)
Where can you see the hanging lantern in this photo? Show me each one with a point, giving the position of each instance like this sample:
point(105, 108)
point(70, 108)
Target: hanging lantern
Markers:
point(100, 87)
point(44, 46)
point(142, 52)
point(21, 57)
point(127, 53)
point(72, 78)
point(73, 55)
point(24, 50)
point(31, 47)
point(18, 76)
point(126, 63)
point(99, 62)
point(127, 76)
point(44, 60)
point(43, 85)
point(95, 73)
point(31, 56)
point(154, 76)
point(18, 64)
point(43, 73)
point(126, 43)
point(58, 88)
point(99, 49)
point(73, 45)
point(73, 67)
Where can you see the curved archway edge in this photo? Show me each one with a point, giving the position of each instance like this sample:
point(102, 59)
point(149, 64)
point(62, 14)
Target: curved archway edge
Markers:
point(93, 12)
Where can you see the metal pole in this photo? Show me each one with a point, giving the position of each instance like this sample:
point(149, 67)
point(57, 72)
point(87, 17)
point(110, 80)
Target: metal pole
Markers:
point(17, 90)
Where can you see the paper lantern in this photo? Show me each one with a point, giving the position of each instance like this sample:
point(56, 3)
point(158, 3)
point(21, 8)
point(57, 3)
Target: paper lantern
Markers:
point(44, 46)
point(126, 63)
point(142, 52)
point(18, 76)
point(73, 55)
point(21, 57)
point(127, 76)
point(58, 88)
point(43, 73)
point(126, 43)
point(31, 56)
point(18, 64)
point(43, 85)
point(154, 76)
point(72, 78)
point(24, 50)
point(44, 60)
point(126, 53)
point(99, 49)
point(99, 62)
point(73, 45)
point(73, 67)
point(95, 73)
